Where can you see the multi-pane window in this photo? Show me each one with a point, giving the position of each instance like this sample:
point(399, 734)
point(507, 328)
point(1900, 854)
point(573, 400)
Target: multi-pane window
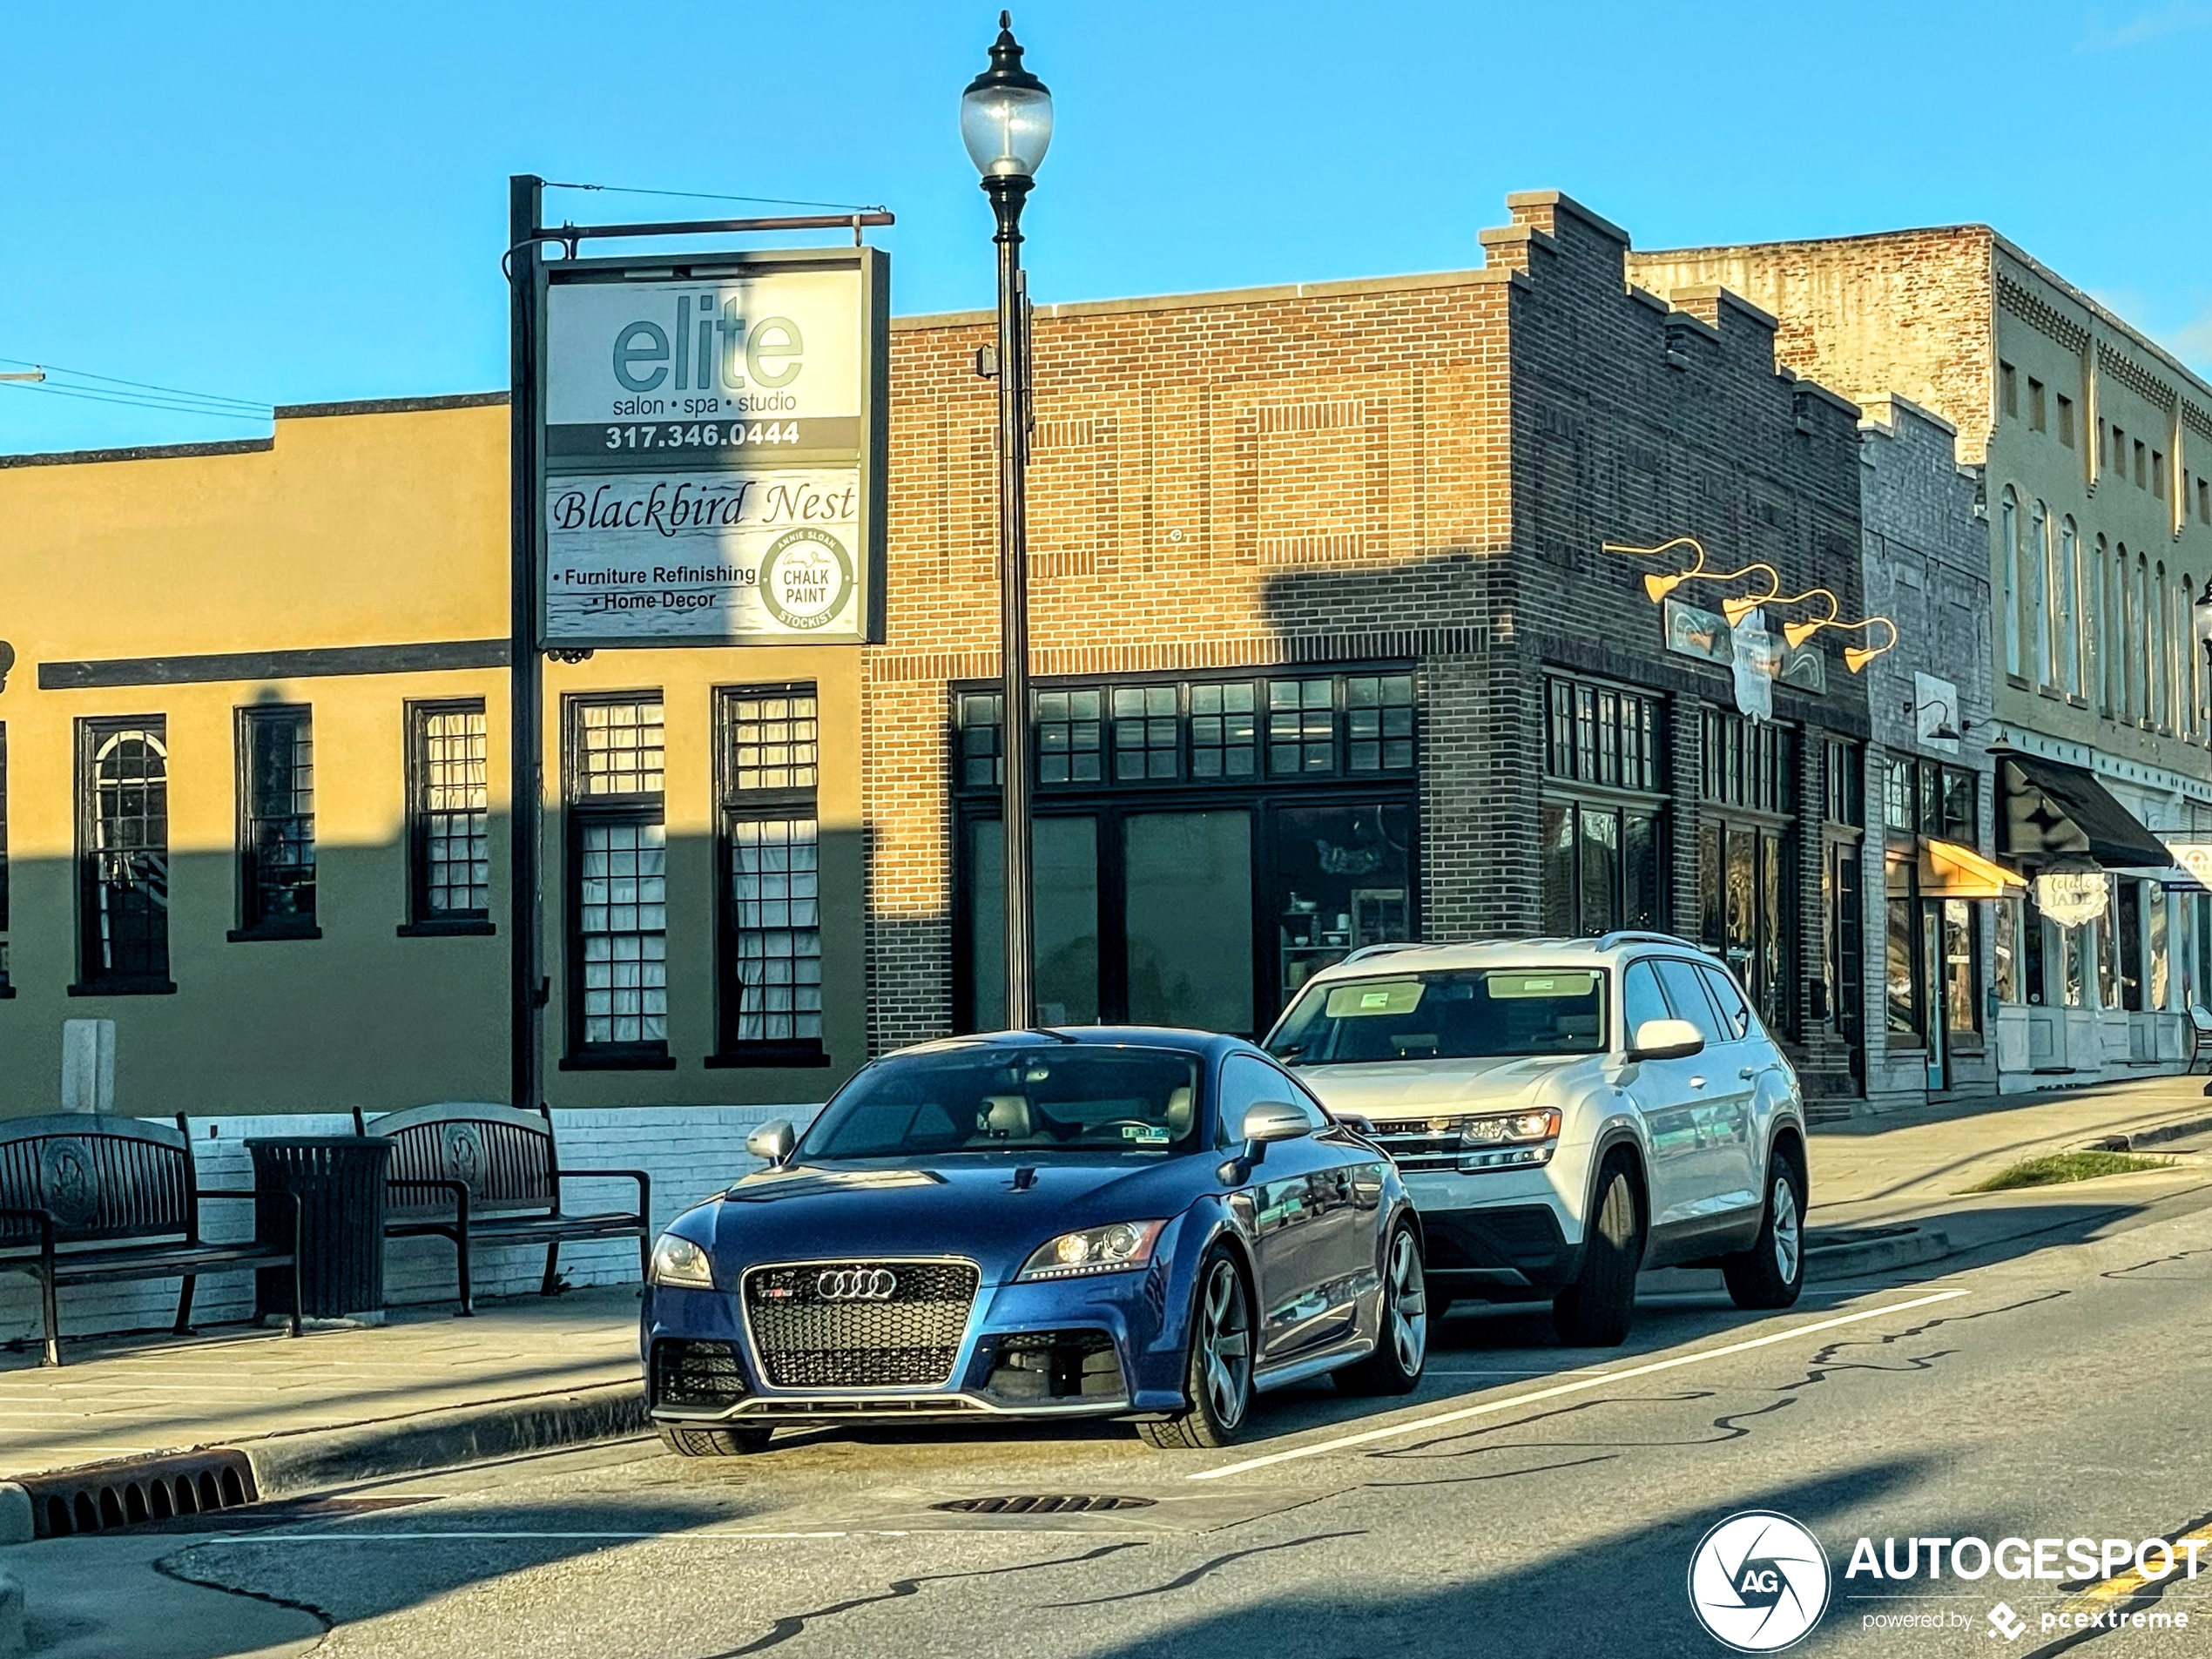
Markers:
point(618, 881)
point(1847, 791)
point(448, 817)
point(1146, 732)
point(1926, 798)
point(1225, 725)
point(1301, 726)
point(123, 857)
point(276, 823)
point(1602, 735)
point(4, 987)
point(1749, 763)
point(1313, 726)
point(770, 949)
point(1068, 731)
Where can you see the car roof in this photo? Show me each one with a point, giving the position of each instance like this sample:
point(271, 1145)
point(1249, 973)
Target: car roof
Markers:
point(1609, 950)
point(1175, 1039)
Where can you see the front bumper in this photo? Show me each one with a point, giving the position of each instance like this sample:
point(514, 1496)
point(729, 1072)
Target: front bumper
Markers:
point(1076, 1348)
point(1505, 1237)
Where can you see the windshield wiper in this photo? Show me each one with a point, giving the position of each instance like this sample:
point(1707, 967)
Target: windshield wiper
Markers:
point(1047, 1031)
point(1289, 1056)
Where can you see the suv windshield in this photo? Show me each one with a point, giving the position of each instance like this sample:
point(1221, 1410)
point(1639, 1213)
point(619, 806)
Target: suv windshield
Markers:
point(1062, 1097)
point(1445, 1016)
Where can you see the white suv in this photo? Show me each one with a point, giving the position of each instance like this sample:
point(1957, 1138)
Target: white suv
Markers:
point(1566, 1111)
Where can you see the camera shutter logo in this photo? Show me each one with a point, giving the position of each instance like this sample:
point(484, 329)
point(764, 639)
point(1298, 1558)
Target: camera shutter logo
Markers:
point(857, 1284)
point(1759, 1581)
point(805, 578)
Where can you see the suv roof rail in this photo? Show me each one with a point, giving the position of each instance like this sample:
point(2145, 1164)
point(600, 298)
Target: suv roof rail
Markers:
point(1642, 936)
point(1366, 951)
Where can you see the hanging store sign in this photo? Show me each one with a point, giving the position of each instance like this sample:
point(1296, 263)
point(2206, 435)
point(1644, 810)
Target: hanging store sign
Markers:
point(2072, 898)
point(1756, 658)
point(711, 447)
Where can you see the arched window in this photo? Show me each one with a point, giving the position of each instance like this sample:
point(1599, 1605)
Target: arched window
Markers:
point(2066, 617)
point(125, 918)
point(2138, 637)
point(2035, 615)
point(2008, 538)
point(2161, 685)
point(2101, 665)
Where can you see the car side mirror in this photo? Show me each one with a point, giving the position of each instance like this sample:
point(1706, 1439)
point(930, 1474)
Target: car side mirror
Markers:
point(1666, 1040)
point(773, 1141)
point(1269, 1121)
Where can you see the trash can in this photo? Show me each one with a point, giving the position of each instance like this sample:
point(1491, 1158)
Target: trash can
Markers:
point(339, 1181)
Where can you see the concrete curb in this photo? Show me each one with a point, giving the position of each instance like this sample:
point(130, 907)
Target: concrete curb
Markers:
point(2154, 1135)
point(1903, 1247)
point(285, 1465)
point(16, 1525)
point(11, 1635)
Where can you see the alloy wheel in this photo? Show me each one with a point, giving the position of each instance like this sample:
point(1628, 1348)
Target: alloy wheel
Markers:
point(1407, 1304)
point(1787, 1243)
point(1225, 1345)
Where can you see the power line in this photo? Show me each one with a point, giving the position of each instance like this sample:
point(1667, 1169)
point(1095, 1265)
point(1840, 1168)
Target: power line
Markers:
point(144, 385)
point(130, 402)
point(709, 196)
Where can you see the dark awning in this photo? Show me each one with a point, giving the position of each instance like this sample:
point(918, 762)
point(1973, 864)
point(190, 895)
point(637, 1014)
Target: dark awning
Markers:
point(2051, 810)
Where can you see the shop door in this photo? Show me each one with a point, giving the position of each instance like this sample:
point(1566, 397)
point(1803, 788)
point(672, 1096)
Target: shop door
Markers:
point(1187, 909)
point(1932, 989)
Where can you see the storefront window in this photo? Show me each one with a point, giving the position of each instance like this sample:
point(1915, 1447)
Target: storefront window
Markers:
point(1601, 854)
point(1189, 930)
point(2008, 965)
point(1901, 1001)
point(2161, 975)
point(1342, 873)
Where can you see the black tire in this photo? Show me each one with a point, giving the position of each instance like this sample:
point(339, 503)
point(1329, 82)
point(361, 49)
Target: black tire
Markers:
point(1401, 1344)
point(1597, 1309)
point(699, 1439)
point(1218, 1377)
point(1771, 1272)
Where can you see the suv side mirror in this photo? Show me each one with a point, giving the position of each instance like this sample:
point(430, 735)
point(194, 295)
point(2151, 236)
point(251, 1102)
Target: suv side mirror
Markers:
point(1267, 1121)
point(1666, 1040)
point(773, 1141)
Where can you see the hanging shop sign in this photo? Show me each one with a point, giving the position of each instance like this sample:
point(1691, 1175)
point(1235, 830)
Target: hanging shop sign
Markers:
point(2072, 898)
point(712, 443)
point(1756, 658)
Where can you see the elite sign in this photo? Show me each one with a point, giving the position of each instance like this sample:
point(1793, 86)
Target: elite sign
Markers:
point(713, 450)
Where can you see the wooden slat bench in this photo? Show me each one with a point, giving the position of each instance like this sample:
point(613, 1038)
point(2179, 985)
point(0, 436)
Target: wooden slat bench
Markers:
point(89, 1199)
point(490, 1174)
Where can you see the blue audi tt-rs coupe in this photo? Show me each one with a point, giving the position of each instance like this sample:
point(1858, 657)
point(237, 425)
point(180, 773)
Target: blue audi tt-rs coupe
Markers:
point(1131, 1223)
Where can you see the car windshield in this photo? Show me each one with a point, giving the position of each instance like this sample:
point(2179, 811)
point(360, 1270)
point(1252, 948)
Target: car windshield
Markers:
point(1055, 1098)
point(1445, 1016)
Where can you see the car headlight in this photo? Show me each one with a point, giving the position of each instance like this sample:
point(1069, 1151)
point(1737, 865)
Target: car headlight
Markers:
point(1508, 1140)
point(678, 1261)
point(1094, 1249)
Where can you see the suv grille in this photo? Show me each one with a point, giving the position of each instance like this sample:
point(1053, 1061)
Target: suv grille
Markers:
point(1416, 1144)
point(811, 1331)
point(695, 1376)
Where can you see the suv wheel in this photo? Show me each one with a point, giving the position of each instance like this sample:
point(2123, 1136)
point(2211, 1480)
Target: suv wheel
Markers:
point(1218, 1378)
point(687, 1439)
point(1595, 1311)
point(1401, 1341)
point(1771, 1272)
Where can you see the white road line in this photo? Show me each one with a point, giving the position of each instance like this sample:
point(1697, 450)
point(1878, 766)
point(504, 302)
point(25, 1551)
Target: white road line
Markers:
point(247, 1536)
point(1391, 1431)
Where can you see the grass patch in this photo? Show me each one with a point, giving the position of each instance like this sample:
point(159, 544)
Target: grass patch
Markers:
point(2067, 1166)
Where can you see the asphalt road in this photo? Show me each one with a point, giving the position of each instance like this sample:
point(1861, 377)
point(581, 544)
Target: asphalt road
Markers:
point(1530, 1500)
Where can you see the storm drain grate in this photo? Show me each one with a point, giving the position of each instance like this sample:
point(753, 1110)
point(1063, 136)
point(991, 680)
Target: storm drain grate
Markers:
point(131, 1494)
point(1043, 1504)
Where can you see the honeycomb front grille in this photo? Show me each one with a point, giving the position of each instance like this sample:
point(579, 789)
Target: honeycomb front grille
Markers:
point(697, 1375)
point(810, 1331)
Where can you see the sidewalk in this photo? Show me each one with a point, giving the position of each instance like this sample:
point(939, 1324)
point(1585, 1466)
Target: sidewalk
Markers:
point(425, 1388)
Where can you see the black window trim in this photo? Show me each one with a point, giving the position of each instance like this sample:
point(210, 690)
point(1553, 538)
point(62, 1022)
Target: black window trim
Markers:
point(579, 810)
point(89, 731)
point(420, 923)
point(7, 985)
point(251, 929)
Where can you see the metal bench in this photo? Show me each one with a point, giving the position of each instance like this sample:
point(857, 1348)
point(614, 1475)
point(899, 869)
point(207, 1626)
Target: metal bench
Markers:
point(101, 1200)
point(490, 1174)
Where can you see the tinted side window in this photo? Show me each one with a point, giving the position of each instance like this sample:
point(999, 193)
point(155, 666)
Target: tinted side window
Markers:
point(1686, 990)
point(1735, 1014)
point(1245, 1082)
point(1640, 1001)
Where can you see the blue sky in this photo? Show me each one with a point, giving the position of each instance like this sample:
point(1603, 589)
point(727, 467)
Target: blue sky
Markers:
point(290, 204)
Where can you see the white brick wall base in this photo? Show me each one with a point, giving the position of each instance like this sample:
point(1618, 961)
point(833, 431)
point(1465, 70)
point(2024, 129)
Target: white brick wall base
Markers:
point(690, 1152)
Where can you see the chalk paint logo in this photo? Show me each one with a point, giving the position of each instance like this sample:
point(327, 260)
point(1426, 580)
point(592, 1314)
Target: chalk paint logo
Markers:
point(1759, 1581)
point(805, 579)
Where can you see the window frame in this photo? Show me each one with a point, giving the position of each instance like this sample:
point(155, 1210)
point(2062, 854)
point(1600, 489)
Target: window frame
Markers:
point(254, 924)
point(7, 985)
point(423, 922)
point(92, 731)
point(790, 804)
point(582, 811)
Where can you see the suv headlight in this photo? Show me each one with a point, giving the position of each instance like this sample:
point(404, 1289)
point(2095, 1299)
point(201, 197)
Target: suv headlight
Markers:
point(678, 1261)
point(1508, 1140)
point(1116, 1249)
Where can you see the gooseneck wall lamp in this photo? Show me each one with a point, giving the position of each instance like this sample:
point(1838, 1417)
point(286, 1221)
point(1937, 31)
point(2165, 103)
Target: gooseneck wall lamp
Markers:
point(1006, 122)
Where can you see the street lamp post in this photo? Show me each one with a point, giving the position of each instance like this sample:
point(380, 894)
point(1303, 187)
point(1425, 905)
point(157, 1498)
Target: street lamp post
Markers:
point(1006, 122)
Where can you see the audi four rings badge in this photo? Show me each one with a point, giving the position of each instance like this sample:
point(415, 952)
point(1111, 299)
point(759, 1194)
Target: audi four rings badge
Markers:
point(857, 1284)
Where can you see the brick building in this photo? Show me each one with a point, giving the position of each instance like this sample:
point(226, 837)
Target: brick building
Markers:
point(2090, 440)
point(1327, 651)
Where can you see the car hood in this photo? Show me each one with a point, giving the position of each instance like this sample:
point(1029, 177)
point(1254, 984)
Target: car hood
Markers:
point(995, 1207)
point(1390, 1088)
